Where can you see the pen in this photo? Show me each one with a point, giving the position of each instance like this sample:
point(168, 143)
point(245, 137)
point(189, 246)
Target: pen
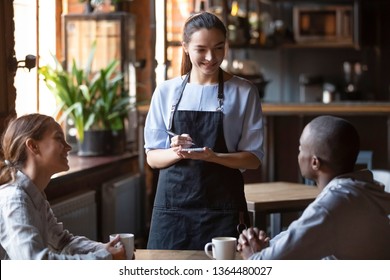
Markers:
point(171, 133)
point(174, 134)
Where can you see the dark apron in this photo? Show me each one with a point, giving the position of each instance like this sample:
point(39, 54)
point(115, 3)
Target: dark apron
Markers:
point(197, 200)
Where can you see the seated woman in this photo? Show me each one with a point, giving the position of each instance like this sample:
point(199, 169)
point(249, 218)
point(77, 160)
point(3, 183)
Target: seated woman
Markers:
point(33, 148)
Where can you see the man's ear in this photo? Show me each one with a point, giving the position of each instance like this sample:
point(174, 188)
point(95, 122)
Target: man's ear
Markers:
point(32, 146)
point(315, 163)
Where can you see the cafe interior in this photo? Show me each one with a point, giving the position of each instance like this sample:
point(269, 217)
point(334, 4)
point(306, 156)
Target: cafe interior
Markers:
point(306, 57)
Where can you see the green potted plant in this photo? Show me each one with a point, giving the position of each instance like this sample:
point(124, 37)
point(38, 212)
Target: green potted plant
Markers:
point(96, 103)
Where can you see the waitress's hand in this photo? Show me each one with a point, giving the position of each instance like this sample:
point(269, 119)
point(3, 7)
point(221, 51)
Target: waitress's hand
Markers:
point(184, 140)
point(204, 154)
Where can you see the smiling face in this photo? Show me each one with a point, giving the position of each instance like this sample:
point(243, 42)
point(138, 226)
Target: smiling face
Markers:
point(206, 50)
point(53, 149)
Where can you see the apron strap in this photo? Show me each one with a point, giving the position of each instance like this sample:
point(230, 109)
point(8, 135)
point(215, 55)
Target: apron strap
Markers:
point(176, 102)
point(220, 90)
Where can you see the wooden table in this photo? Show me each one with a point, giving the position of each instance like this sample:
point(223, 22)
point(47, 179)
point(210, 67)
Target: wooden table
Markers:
point(142, 254)
point(277, 197)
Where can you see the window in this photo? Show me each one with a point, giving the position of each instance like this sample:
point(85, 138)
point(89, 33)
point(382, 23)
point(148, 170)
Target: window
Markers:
point(37, 38)
point(169, 57)
point(160, 41)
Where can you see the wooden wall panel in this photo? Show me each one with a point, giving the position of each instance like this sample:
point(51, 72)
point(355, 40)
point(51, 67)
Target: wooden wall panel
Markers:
point(7, 43)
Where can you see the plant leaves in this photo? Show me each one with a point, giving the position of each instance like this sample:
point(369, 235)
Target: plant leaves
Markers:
point(93, 100)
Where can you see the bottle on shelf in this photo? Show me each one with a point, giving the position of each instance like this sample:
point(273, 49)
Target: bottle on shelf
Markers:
point(238, 25)
point(201, 6)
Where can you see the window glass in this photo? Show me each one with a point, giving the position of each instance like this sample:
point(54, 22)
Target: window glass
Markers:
point(31, 94)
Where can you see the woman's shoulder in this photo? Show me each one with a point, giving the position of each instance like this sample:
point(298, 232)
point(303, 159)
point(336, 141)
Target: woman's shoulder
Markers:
point(167, 89)
point(11, 192)
point(19, 189)
point(171, 83)
point(241, 83)
point(241, 80)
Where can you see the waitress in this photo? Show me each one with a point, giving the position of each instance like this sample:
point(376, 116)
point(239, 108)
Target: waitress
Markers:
point(200, 193)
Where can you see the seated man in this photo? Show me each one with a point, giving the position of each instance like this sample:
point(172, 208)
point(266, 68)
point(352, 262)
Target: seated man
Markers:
point(350, 219)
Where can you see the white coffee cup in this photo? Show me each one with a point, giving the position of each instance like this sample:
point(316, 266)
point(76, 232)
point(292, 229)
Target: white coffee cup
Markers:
point(127, 240)
point(223, 248)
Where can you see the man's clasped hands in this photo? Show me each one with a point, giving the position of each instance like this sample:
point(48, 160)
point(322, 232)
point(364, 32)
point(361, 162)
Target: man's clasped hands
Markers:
point(252, 240)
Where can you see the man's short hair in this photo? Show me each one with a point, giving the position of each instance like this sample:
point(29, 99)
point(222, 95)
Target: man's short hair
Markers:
point(336, 142)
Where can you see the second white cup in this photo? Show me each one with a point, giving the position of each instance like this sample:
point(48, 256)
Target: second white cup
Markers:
point(127, 240)
point(223, 248)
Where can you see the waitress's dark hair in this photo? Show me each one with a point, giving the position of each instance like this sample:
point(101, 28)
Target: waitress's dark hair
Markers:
point(194, 23)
